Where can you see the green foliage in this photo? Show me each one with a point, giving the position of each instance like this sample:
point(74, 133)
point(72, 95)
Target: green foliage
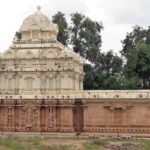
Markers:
point(106, 74)
point(136, 51)
point(35, 140)
point(36, 143)
point(86, 37)
point(60, 20)
point(99, 142)
point(11, 143)
point(17, 35)
point(16, 143)
point(95, 144)
point(76, 20)
point(130, 83)
point(145, 143)
point(137, 36)
point(142, 67)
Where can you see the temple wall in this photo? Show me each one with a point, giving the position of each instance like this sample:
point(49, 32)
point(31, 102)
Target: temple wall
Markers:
point(123, 117)
point(117, 113)
point(66, 119)
point(76, 116)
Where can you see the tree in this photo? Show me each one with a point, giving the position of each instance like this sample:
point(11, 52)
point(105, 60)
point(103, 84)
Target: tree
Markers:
point(110, 67)
point(76, 21)
point(60, 20)
point(17, 36)
point(147, 39)
point(110, 63)
point(86, 40)
point(89, 79)
point(86, 37)
point(136, 49)
point(107, 75)
point(132, 39)
point(142, 67)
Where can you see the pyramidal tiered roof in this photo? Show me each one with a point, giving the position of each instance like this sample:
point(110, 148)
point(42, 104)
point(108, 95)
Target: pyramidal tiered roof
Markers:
point(38, 33)
point(38, 62)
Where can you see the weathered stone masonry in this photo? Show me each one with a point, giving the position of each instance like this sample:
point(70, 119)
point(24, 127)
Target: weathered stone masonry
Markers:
point(41, 90)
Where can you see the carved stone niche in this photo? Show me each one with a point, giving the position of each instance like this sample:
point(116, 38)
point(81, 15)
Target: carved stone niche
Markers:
point(118, 106)
point(117, 112)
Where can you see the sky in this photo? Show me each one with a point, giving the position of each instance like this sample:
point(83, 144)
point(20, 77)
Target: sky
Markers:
point(118, 17)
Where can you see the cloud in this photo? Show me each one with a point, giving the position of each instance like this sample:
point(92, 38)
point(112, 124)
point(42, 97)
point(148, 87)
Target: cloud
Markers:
point(12, 13)
point(112, 36)
point(118, 16)
point(126, 11)
point(65, 6)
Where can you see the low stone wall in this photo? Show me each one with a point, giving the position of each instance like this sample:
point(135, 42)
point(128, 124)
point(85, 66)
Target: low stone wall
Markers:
point(121, 117)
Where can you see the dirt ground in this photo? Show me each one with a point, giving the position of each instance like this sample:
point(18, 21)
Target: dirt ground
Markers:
point(122, 146)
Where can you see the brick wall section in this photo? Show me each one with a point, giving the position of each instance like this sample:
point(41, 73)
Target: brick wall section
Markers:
point(76, 116)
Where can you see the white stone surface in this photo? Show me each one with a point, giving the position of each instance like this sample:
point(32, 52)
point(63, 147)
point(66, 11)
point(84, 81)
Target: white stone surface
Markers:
point(38, 62)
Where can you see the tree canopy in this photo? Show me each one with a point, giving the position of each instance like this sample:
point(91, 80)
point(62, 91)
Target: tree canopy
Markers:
point(60, 20)
point(136, 52)
point(130, 69)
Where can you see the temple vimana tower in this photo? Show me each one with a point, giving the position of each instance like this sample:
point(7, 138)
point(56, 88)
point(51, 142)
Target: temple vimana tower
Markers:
point(41, 90)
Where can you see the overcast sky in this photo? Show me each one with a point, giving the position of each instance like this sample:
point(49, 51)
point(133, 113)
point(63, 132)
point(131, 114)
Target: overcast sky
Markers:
point(118, 16)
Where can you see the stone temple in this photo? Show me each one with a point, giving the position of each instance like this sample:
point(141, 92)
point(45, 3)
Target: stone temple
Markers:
point(41, 90)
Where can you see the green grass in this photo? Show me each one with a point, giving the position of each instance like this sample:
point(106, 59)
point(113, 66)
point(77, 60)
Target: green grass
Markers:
point(145, 143)
point(15, 143)
point(35, 143)
point(95, 144)
point(11, 144)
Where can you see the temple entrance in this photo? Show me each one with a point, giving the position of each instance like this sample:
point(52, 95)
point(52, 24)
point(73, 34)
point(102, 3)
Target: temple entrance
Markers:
point(78, 121)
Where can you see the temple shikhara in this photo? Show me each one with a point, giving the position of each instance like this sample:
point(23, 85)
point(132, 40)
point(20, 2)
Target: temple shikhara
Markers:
point(41, 90)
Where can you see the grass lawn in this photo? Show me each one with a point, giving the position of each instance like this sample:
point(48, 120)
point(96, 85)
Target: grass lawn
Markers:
point(49, 143)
